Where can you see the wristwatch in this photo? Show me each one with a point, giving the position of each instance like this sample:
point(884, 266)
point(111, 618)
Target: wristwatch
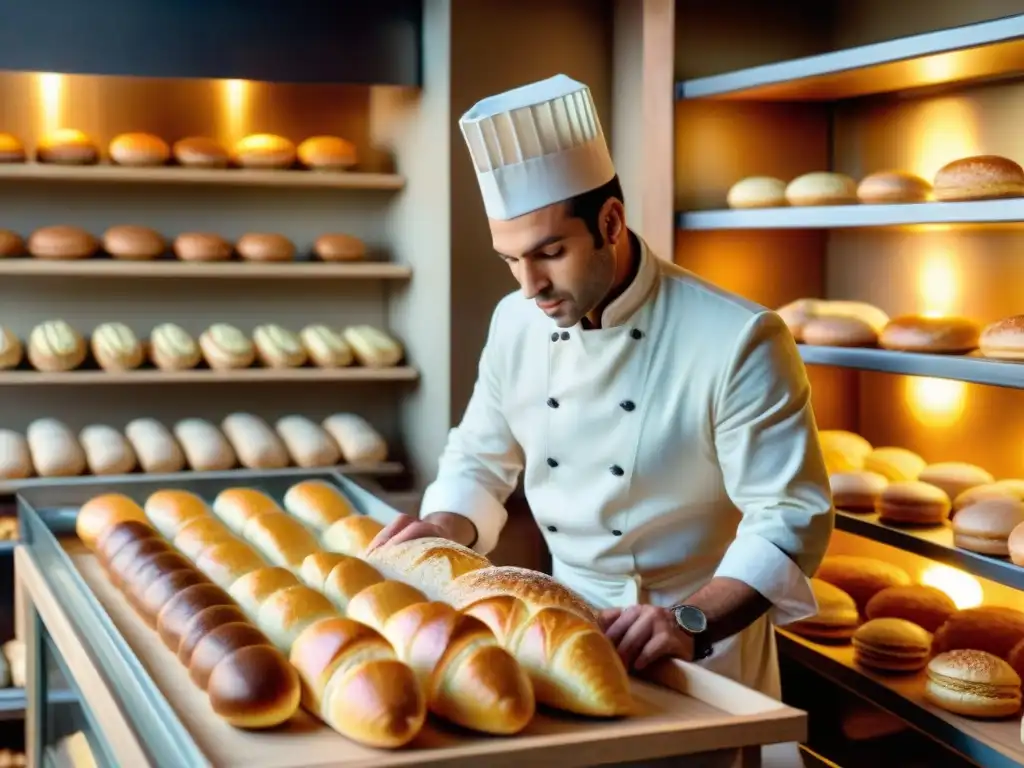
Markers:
point(693, 622)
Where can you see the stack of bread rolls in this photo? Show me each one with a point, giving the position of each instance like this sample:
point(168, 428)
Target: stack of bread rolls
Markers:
point(50, 448)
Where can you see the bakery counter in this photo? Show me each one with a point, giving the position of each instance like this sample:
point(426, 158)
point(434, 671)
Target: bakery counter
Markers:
point(148, 710)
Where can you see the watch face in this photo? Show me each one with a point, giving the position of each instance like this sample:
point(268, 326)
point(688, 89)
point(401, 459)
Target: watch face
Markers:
point(691, 618)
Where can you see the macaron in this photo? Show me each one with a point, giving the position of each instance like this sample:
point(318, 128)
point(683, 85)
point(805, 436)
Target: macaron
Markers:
point(1001, 489)
point(891, 645)
point(856, 491)
point(836, 618)
point(925, 606)
point(861, 577)
point(986, 527)
point(911, 502)
point(973, 683)
point(955, 477)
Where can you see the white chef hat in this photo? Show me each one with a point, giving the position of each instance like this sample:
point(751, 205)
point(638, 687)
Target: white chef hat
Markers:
point(536, 145)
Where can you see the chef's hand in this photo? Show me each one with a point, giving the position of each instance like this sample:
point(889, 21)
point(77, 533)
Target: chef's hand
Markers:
point(442, 525)
point(645, 633)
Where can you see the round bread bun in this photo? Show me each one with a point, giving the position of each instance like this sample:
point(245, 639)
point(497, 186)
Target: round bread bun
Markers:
point(955, 477)
point(757, 192)
point(11, 244)
point(856, 491)
point(255, 687)
point(264, 150)
point(327, 153)
point(11, 149)
point(125, 564)
point(62, 242)
point(103, 511)
point(935, 335)
point(895, 463)
point(891, 645)
point(861, 577)
point(66, 146)
point(202, 246)
point(112, 538)
point(893, 187)
point(994, 629)
point(1003, 339)
point(175, 616)
point(139, 149)
point(844, 451)
point(925, 606)
point(973, 683)
point(200, 152)
point(204, 622)
point(1001, 489)
point(913, 502)
point(981, 177)
point(839, 331)
point(836, 618)
point(133, 243)
point(822, 188)
point(265, 246)
point(339, 247)
point(164, 588)
point(985, 527)
point(220, 643)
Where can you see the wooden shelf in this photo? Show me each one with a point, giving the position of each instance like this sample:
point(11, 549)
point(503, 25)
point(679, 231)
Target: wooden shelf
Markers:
point(176, 175)
point(235, 270)
point(961, 54)
point(933, 542)
point(207, 376)
point(971, 368)
point(993, 744)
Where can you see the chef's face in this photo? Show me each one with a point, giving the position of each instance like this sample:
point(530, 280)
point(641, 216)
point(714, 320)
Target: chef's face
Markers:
point(556, 260)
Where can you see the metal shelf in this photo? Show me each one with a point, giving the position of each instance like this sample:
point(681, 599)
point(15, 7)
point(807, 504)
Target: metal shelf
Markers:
point(993, 744)
point(935, 543)
point(233, 270)
point(208, 376)
point(992, 212)
point(13, 701)
point(974, 52)
point(970, 368)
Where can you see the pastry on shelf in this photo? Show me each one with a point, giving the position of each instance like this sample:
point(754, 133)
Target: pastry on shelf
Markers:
point(62, 242)
point(991, 628)
point(935, 335)
point(326, 347)
point(131, 242)
point(895, 463)
point(861, 577)
point(154, 446)
point(54, 346)
point(67, 146)
point(139, 150)
point(839, 331)
point(911, 502)
point(11, 149)
point(1003, 339)
point(225, 347)
point(54, 449)
point(359, 442)
point(757, 192)
point(255, 443)
point(821, 188)
point(107, 451)
point(928, 607)
point(980, 177)
point(308, 443)
point(893, 186)
point(11, 244)
point(974, 684)
point(844, 451)
point(265, 246)
point(202, 246)
point(337, 246)
point(857, 491)
point(200, 152)
point(955, 477)
point(797, 314)
point(373, 347)
point(116, 348)
point(11, 349)
point(1001, 489)
point(15, 457)
point(327, 153)
point(985, 527)
point(891, 645)
point(277, 347)
point(264, 150)
point(205, 447)
point(836, 619)
point(172, 348)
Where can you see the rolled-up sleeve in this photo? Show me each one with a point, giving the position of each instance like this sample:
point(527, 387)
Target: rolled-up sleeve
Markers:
point(766, 440)
point(482, 461)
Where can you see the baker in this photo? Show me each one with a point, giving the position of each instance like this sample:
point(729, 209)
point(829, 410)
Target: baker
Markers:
point(662, 425)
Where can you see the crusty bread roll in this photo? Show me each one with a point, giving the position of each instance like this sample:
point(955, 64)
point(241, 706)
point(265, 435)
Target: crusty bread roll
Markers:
point(265, 246)
point(307, 442)
point(67, 146)
point(11, 149)
point(11, 244)
point(373, 347)
point(981, 177)
point(106, 450)
point(235, 507)
point(1003, 339)
point(856, 491)
point(822, 188)
point(893, 187)
point(431, 564)
point(62, 242)
point(133, 243)
point(327, 153)
point(138, 149)
point(15, 457)
point(339, 247)
point(277, 347)
point(861, 577)
point(225, 347)
point(325, 347)
point(205, 448)
point(839, 331)
point(955, 477)
point(200, 152)
point(317, 504)
point(537, 590)
point(989, 628)
point(350, 535)
point(264, 150)
point(154, 446)
point(797, 314)
point(757, 192)
point(937, 335)
point(925, 606)
point(359, 442)
point(202, 246)
point(55, 346)
point(256, 445)
point(116, 348)
point(172, 348)
point(54, 448)
point(11, 349)
point(895, 464)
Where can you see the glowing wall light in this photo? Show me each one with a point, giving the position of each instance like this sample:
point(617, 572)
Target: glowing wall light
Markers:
point(944, 130)
point(235, 102)
point(938, 284)
point(936, 402)
point(962, 588)
point(50, 88)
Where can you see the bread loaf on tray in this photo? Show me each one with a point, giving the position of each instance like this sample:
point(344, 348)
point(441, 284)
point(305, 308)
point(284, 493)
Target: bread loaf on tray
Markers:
point(250, 684)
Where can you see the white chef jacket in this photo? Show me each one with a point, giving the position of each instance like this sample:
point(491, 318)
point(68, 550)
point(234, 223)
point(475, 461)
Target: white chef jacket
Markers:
point(673, 444)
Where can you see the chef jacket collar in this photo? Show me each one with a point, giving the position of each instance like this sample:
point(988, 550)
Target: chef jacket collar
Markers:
point(636, 293)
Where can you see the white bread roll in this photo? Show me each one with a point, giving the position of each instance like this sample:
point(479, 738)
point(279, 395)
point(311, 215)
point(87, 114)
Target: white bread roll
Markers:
point(206, 449)
point(373, 347)
point(54, 346)
point(277, 347)
point(937, 335)
point(822, 188)
point(326, 347)
point(839, 331)
point(307, 442)
point(255, 443)
point(350, 535)
point(225, 347)
point(107, 452)
point(280, 539)
point(317, 504)
point(154, 446)
point(359, 442)
point(798, 313)
point(235, 507)
point(54, 448)
point(115, 347)
point(172, 348)
point(15, 457)
point(893, 187)
point(757, 192)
